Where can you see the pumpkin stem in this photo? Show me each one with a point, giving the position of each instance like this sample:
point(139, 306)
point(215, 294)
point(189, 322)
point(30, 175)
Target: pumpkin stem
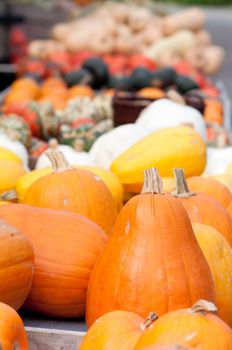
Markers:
point(203, 306)
point(58, 161)
point(53, 144)
point(9, 196)
point(152, 182)
point(182, 190)
point(151, 318)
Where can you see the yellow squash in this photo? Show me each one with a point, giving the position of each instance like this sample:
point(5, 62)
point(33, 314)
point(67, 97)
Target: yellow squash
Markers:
point(218, 253)
point(6, 154)
point(164, 149)
point(25, 181)
point(10, 172)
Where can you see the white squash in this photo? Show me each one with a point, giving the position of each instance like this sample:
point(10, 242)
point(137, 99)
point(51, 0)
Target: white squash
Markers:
point(73, 157)
point(218, 160)
point(110, 145)
point(165, 113)
point(16, 147)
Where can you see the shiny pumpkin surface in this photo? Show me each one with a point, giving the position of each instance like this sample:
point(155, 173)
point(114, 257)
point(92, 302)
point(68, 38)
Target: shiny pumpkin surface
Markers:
point(16, 265)
point(12, 333)
point(164, 149)
point(188, 328)
point(219, 256)
point(152, 248)
point(66, 247)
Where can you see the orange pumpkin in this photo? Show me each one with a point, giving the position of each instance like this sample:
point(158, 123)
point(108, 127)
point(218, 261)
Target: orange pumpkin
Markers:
point(202, 208)
point(16, 265)
point(52, 84)
point(213, 112)
point(66, 247)
point(28, 85)
point(151, 93)
point(12, 333)
point(81, 91)
point(76, 190)
point(212, 188)
point(152, 248)
point(169, 347)
point(116, 330)
point(193, 327)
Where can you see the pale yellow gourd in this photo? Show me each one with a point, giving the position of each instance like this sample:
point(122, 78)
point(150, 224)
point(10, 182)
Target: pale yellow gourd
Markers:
point(165, 149)
point(6, 154)
point(218, 253)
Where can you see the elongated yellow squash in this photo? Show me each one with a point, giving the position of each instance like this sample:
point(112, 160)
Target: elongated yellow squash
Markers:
point(164, 149)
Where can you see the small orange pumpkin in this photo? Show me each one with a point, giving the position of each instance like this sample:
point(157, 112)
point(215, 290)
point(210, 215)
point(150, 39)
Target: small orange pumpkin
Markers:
point(202, 208)
point(76, 190)
point(12, 333)
point(212, 188)
point(81, 91)
point(151, 93)
point(197, 326)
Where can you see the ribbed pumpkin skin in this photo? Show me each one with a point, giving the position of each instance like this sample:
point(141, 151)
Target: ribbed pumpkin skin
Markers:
point(206, 210)
point(169, 347)
point(16, 266)
point(114, 330)
point(10, 172)
point(190, 329)
point(152, 261)
point(12, 333)
point(75, 190)
point(212, 188)
point(66, 246)
point(164, 149)
point(219, 256)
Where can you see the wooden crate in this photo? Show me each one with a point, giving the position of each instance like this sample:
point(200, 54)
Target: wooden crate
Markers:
point(52, 339)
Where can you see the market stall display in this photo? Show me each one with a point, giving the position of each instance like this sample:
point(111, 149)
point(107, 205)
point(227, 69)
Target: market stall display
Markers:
point(115, 186)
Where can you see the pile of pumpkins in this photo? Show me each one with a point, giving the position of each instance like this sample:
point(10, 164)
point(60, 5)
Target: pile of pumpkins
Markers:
point(141, 249)
point(129, 28)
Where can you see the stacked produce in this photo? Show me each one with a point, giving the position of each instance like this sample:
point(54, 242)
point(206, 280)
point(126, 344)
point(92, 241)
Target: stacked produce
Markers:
point(114, 207)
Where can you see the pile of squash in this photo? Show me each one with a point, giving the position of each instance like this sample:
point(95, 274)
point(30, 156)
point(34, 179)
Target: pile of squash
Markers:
point(129, 28)
point(141, 249)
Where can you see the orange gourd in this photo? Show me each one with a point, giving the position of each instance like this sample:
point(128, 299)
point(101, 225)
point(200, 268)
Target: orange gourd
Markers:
point(219, 256)
point(212, 188)
point(152, 249)
point(197, 326)
point(66, 247)
point(16, 265)
point(116, 330)
point(151, 93)
point(12, 333)
point(202, 208)
point(169, 347)
point(81, 91)
point(76, 190)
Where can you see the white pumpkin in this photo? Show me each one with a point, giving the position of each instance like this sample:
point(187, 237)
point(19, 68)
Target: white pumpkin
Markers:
point(165, 113)
point(73, 157)
point(218, 160)
point(16, 147)
point(110, 145)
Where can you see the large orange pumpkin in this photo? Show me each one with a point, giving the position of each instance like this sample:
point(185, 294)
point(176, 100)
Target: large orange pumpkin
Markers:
point(192, 327)
point(16, 265)
point(218, 253)
point(212, 188)
point(202, 208)
point(66, 246)
point(152, 261)
point(12, 333)
point(116, 330)
point(76, 190)
point(170, 347)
